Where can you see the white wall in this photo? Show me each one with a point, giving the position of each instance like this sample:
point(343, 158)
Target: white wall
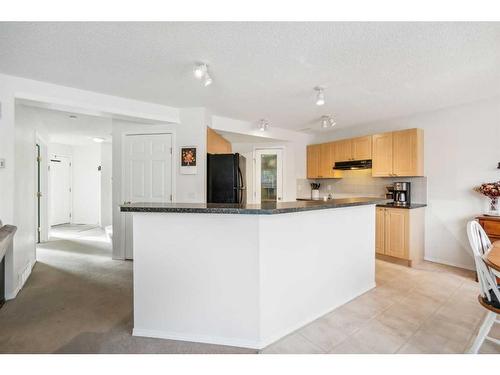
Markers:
point(23, 257)
point(91, 189)
point(186, 188)
point(106, 184)
point(86, 184)
point(462, 150)
point(294, 159)
point(18, 152)
point(57, 150)
point(294, 155)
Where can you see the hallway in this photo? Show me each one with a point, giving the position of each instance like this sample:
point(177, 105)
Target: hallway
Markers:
point(79, 300)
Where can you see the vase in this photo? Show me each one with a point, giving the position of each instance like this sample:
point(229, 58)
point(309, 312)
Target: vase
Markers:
point(315, 194)
point(493, 207)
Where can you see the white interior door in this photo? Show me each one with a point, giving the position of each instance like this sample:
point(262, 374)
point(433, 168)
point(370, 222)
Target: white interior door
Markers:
point(60, 190)
point(268, 175)
point(147, 175)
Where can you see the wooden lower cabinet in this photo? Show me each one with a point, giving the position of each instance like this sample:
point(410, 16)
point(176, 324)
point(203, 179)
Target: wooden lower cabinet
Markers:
point(491, 226)
point(380, 231)
point(399, 234)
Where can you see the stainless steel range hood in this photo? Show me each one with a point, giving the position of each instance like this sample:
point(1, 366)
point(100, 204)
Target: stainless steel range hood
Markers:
point(354, 164)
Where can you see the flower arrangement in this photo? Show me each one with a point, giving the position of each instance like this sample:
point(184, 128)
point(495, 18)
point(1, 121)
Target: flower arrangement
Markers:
point(492, 191)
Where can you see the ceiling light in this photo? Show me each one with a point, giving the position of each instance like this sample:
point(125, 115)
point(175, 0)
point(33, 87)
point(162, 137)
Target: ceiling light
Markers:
point(208, 80)
point(263, 125)
point(327, 121)
point(98, 139)
point(320, 96)
point(201, 73)
point(200, 70)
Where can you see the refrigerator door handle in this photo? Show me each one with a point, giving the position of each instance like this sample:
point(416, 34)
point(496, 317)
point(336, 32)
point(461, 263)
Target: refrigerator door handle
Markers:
point(240, 186)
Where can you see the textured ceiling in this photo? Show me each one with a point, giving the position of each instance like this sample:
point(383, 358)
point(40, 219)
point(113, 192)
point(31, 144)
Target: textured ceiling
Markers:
point(371, 71)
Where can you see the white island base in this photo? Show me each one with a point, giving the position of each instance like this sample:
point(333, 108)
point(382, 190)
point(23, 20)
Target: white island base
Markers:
point(247, 279)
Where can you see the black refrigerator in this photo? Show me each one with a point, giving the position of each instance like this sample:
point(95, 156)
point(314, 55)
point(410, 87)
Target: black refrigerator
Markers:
point(226, 178)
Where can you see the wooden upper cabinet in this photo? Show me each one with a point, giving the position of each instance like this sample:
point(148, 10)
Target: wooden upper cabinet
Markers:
point(343, 150)
point(397, 233)
point(217, 144)
point(380, 230)
point(393, 154)
point(313, 160)
point(320, 160)
point(327, 159)
point(408, 152)
point(361, 148)
point(382, 155)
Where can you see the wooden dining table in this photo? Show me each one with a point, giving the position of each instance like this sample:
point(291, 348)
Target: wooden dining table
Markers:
point(492, 257)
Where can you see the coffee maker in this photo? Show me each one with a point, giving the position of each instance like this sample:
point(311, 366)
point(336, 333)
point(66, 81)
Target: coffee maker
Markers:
point(401, 193)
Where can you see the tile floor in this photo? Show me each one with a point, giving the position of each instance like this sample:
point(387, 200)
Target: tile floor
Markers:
point(428, 309)
point(79, 300)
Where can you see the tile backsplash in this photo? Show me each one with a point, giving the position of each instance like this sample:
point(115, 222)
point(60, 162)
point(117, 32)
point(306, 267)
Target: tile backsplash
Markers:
point(361, 183)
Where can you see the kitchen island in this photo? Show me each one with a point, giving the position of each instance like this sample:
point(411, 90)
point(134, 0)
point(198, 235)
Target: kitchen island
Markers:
point(247, 275)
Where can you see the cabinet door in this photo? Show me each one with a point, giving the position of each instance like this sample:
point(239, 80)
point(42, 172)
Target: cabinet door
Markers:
point(408, 152)
point(327, 159)
point(362, 148)
point(397, 232)
point(380, 230)
point(313, 155)
point(382, 155)
point(343, 150)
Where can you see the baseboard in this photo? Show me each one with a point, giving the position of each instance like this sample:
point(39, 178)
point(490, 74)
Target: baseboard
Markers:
point(452, 264)
point(196, 338)
point(277, 336)
point(257, 344)
point(22, 278)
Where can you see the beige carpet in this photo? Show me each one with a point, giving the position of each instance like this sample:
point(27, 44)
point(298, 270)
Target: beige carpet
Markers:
point(79, 300)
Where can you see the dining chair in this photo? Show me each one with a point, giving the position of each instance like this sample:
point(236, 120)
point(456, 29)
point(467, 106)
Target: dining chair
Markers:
point(489, 296)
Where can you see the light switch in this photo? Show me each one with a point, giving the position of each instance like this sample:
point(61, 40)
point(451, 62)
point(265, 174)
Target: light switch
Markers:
point(2, 163)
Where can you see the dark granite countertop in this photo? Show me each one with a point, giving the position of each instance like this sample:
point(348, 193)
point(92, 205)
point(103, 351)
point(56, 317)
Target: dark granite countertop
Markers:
point(408, 207)
point(248, 209)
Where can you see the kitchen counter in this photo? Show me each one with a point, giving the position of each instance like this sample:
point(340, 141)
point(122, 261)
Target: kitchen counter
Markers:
point(249, 209)
point(247, 280)
point(407, 207)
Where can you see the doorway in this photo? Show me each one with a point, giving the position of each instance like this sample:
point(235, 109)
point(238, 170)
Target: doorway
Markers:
point(268, 175)
point(147, 174)
point(60, 190)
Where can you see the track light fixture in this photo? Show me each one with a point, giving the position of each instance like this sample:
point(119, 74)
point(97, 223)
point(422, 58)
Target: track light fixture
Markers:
point(320, 96)
point(263, 125)
point(201, 72)
point(327, 122)
point(208, 80)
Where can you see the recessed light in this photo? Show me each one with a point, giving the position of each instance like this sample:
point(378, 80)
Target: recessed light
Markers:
point(98, 139)
point(320, 96)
